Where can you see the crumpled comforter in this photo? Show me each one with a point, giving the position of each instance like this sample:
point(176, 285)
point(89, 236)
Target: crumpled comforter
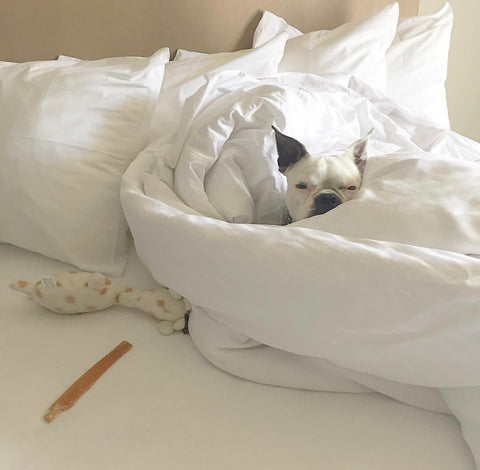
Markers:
point(382, 293)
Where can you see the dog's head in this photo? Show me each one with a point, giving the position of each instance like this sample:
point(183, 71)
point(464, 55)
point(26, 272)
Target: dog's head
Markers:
point(319, 183)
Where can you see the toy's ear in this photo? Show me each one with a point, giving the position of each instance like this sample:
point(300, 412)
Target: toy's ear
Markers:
point(22, 286)
point(358, 151)
point(289, 150)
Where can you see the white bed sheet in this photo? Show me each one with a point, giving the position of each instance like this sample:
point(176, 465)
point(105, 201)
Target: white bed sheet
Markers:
point(164, 406)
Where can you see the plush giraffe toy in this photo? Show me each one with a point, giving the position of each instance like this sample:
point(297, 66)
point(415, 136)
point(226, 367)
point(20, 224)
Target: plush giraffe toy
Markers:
point(77, 292)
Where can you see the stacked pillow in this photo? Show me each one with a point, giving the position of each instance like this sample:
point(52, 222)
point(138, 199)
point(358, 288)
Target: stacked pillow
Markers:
point(417, 64)
point(407, 61)
point(68, 131)
point(183, 78)
point(356, 48)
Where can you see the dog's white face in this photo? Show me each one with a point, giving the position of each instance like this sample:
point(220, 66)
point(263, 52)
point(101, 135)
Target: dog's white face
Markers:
point(319, 183)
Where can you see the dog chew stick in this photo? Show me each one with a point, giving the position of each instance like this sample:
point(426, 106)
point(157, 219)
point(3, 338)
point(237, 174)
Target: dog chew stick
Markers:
point(80, 386)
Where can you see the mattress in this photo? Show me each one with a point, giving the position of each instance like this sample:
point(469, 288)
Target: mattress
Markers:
point(164, 405)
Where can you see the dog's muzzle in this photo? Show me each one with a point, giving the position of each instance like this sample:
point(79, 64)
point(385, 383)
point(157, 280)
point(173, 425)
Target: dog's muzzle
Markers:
point(324, 202)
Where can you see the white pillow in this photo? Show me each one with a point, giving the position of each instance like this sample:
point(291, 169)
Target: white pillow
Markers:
point(68, 131)
point(417, 59)
point(68, 57)
point(270, 25)
point(417, 64)
point(357, 48)
point(184, 77)
point(183, 54)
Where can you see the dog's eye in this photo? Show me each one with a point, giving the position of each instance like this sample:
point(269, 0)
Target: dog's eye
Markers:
point(352, 188)
point(301, 185)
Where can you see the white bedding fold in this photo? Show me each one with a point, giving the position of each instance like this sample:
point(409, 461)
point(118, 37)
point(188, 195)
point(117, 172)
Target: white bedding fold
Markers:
point(379, 286)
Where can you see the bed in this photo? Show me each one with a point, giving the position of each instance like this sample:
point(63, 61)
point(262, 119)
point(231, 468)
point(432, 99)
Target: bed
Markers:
point(271, 375)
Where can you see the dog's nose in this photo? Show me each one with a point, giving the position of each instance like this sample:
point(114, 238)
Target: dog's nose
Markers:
point(325, 202)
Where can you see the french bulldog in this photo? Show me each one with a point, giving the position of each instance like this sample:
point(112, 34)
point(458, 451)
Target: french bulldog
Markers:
point(317, 183)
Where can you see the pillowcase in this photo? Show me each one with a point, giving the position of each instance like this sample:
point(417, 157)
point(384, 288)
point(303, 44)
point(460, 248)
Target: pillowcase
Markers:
point(270, 25)
point(357, 48)
point(184, 77)
point(183, 54)
point(68, 131)
point(417, 64)
point(417, 60)
point(68, 57)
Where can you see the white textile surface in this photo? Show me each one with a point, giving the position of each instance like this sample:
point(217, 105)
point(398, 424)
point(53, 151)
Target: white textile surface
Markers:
point(68, 131)
point(163, 406)
point(380, 286)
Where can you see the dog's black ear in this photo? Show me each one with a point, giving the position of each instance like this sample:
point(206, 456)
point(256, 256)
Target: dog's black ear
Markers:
point(289, 150)
point(358, 151)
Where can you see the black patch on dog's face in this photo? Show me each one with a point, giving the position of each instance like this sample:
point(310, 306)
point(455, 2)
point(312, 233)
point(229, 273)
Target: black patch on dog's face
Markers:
point(289, 150)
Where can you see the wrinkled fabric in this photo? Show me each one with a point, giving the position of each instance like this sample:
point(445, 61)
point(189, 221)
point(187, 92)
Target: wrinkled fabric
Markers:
point(380, 288)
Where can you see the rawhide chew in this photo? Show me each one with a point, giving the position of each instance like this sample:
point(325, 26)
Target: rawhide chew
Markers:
point(81, 385)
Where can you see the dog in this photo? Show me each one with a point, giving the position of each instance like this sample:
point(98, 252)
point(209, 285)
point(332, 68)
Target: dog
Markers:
point(316, 183)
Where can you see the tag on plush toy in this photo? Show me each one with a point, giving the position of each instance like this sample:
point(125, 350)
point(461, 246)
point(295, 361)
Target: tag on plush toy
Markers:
point(48, 282)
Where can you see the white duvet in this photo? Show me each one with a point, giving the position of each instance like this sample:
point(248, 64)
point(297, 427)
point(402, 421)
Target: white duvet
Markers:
point(376, 294)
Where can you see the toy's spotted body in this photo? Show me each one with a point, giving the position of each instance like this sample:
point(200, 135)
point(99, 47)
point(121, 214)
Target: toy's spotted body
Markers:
point(78, 292)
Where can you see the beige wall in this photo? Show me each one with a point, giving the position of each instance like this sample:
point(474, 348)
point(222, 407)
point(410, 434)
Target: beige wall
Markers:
point(463, 84)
